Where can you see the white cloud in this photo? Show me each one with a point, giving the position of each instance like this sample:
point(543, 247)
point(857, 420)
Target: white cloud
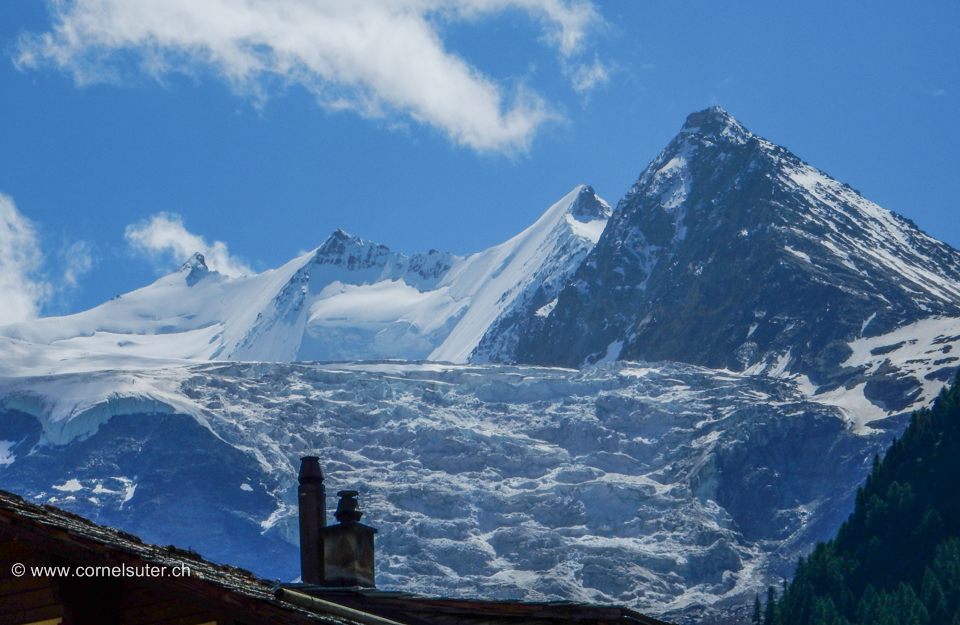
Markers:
point(375, 57)
point(164, 235)
point(939, 92)
point(21, 292)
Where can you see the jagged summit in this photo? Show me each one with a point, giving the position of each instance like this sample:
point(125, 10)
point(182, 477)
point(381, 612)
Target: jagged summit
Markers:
point(195, 262)
point(522, 276)
point(715, 122)
point(352, 252)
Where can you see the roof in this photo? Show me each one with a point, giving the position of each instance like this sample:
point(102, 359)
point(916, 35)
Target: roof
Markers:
point(227, 588)
point(56, 531)
point(419, 610)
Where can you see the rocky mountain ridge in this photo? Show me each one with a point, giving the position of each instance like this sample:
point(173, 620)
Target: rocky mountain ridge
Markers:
point(728, 252)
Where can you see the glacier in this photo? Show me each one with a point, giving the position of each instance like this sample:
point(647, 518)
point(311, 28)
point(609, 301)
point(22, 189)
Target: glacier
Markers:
point(664, 486)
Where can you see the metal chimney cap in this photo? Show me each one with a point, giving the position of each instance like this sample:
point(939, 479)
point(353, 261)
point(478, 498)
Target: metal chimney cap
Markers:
point(310, 471)
point(347, 508)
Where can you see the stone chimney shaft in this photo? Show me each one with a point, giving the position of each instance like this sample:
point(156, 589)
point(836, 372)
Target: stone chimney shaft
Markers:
point(312, 499)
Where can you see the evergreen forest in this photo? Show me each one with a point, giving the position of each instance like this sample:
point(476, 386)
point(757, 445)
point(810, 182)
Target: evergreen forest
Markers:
point(896, 560)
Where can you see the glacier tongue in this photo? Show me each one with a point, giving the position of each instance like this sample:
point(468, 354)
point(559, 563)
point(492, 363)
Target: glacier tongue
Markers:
point(660, 486)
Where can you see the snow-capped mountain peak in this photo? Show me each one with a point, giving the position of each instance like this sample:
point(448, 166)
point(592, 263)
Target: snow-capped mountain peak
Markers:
point(588, 207)
point(352, 253)
point(508, 283)
point(821, 316)
point(197, 262)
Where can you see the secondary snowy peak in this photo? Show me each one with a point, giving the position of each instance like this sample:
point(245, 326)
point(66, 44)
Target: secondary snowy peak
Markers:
point(507, 284)
point(190, 314)
point(352, 299)
point(195, 263)
point(352, 253)
point(731, 252)
point(587, 208)
point(441, 307)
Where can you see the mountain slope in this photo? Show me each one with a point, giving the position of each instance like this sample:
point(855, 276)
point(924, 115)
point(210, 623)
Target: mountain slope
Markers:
point(730, 252)
point(518, 278)
point(667, 485)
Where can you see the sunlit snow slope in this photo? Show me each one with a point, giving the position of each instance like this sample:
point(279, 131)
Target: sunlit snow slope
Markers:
point(349, 299)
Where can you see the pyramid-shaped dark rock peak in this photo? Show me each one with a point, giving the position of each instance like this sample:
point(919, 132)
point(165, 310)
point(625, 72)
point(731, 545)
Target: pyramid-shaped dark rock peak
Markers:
point(731, 252)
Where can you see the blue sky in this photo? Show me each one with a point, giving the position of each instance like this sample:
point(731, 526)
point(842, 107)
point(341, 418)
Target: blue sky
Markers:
point(132, 131)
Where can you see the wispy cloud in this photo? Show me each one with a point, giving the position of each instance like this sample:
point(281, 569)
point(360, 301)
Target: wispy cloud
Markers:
point(375, 57)
point(164, 238)
point(939, 92)
point(22, 291)
point(77, 262)
point(585, 77)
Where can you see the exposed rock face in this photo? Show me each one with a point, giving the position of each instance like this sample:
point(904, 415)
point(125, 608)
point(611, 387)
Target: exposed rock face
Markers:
point(730, 252)
point(195, 268)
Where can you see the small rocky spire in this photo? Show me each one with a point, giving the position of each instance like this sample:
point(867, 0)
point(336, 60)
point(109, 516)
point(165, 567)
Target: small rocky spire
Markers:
point(195, 268)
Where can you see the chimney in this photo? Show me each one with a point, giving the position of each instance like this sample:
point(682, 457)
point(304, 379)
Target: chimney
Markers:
point(348, 546)
point(312, 499)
